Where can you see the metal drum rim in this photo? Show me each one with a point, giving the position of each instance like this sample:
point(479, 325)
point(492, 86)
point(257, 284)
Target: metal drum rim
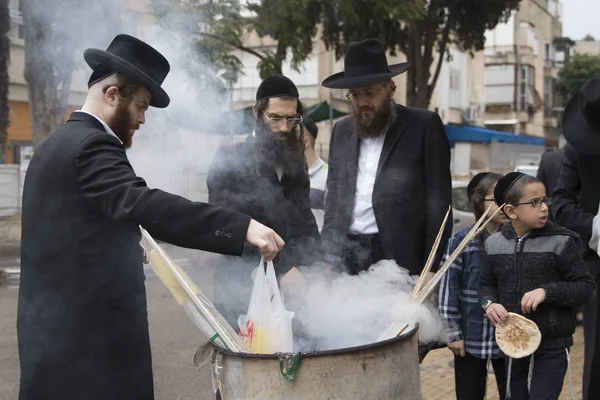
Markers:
point(405, 336)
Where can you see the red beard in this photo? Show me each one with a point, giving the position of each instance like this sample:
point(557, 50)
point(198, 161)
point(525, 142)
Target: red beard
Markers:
point(123, 123)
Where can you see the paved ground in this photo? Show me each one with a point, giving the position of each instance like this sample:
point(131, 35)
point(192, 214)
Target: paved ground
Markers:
point(175, 340)
point(437, 377)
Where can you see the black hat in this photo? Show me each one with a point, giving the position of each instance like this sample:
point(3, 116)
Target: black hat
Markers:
point(311, 127)
point(505, 184)
point(135, 60)
point(581, 119)
point(475, 181)
point(276, 86)
point(365, 63)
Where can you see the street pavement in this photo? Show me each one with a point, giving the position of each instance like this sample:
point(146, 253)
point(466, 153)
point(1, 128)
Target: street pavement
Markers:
point(175, 339)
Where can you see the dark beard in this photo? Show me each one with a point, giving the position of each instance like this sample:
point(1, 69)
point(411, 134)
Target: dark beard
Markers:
point(375, 127)
point(278, 148)
point(121, 125)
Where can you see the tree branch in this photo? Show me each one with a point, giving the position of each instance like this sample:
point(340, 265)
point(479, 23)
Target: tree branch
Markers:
point(430, 31)
point(237, 46)
point(442, 52)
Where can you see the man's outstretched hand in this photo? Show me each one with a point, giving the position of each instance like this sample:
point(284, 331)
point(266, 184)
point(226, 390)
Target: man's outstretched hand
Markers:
point(264, 239)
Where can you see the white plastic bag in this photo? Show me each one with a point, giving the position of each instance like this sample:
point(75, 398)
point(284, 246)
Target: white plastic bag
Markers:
point(267, 327)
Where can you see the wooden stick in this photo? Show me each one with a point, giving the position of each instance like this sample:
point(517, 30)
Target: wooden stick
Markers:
point(432, 253)
point(426, 291)
point(435, 280)
point(402, 330)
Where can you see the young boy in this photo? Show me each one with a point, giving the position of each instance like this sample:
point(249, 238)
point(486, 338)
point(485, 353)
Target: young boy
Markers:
point(533, 267)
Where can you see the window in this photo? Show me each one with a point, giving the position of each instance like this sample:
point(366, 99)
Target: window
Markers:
point(526, 86)
point(454, 79)
point(549, 96)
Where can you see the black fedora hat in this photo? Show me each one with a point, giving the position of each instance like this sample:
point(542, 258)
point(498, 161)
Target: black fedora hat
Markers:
point(135, 60)
point(581, 119)
point(364, 64)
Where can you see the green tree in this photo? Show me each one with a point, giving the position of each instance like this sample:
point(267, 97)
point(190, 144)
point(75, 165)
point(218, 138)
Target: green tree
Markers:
point(4, 78)
point(56, 32)
point(220, 27)
point(589, 38)
point(418, 28)
point(576, 72)
point(424, 41)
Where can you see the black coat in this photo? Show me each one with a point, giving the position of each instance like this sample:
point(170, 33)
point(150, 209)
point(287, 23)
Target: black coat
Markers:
point(235, 181)
point(549, 169)
point(411, 194)
point(576, 197)
point(82, 317)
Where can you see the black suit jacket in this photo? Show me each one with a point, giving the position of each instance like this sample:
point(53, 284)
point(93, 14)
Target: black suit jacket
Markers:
point(576, 198)
point(411, 194)
point(549, 169)
point(82, 318)
point(236, 181)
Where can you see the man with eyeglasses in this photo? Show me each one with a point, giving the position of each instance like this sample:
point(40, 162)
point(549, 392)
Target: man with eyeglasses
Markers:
point(575, 205)
point(389, 183)
point(267, 177)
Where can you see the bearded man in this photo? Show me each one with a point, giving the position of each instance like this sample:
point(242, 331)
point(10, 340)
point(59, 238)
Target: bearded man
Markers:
point(267, 178)
point(389, 184)
point(82, 322)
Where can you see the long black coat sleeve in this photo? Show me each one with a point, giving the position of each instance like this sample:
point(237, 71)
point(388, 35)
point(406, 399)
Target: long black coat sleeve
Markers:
point(438, 187)
point(565, 208)
point(332, 237)
point(107, 180)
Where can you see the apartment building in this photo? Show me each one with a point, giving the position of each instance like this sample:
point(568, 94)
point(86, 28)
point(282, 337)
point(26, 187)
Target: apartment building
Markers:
point(522, 60)
point(587, 47)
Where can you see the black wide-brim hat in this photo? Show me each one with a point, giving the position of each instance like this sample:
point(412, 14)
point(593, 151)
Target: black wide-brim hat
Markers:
point(581, 119)
point(135, 60)
point(364, 64)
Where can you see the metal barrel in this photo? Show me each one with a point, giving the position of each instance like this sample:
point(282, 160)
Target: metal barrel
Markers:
point(384, 370)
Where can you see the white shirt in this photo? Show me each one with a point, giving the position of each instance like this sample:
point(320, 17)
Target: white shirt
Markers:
point(318, 190)
point(106, 127)
point(363, 216)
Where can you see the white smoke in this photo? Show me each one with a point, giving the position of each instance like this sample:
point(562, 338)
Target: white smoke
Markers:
point(354, 310)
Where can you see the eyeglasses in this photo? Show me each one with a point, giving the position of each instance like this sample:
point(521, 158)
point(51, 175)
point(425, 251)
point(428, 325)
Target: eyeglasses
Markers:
point(277, 121)
point(369, 94)
point(489, 199)
point(536, 202)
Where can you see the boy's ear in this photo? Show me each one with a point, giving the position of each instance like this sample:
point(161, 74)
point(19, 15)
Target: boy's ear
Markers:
point(510, 211)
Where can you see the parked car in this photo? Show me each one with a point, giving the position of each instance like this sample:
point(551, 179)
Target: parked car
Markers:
point(461, 209)
point(530, 169)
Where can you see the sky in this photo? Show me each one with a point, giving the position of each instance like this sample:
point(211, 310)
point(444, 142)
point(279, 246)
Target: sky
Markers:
point(581, 17)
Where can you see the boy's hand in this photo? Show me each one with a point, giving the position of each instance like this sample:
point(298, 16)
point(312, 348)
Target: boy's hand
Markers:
point(531, 300)
point(458, 348)
point(497, 314)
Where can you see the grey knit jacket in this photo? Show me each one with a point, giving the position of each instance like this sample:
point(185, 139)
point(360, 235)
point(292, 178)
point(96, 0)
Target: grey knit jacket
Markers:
point(547, 258)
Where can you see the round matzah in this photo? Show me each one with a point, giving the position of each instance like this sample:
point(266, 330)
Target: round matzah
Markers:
point(519, 337)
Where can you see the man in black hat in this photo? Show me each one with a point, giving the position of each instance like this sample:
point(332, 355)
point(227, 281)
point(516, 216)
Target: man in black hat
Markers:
point(265, 177)
point(82, 318)
point(389, 184)
point(575, 205)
